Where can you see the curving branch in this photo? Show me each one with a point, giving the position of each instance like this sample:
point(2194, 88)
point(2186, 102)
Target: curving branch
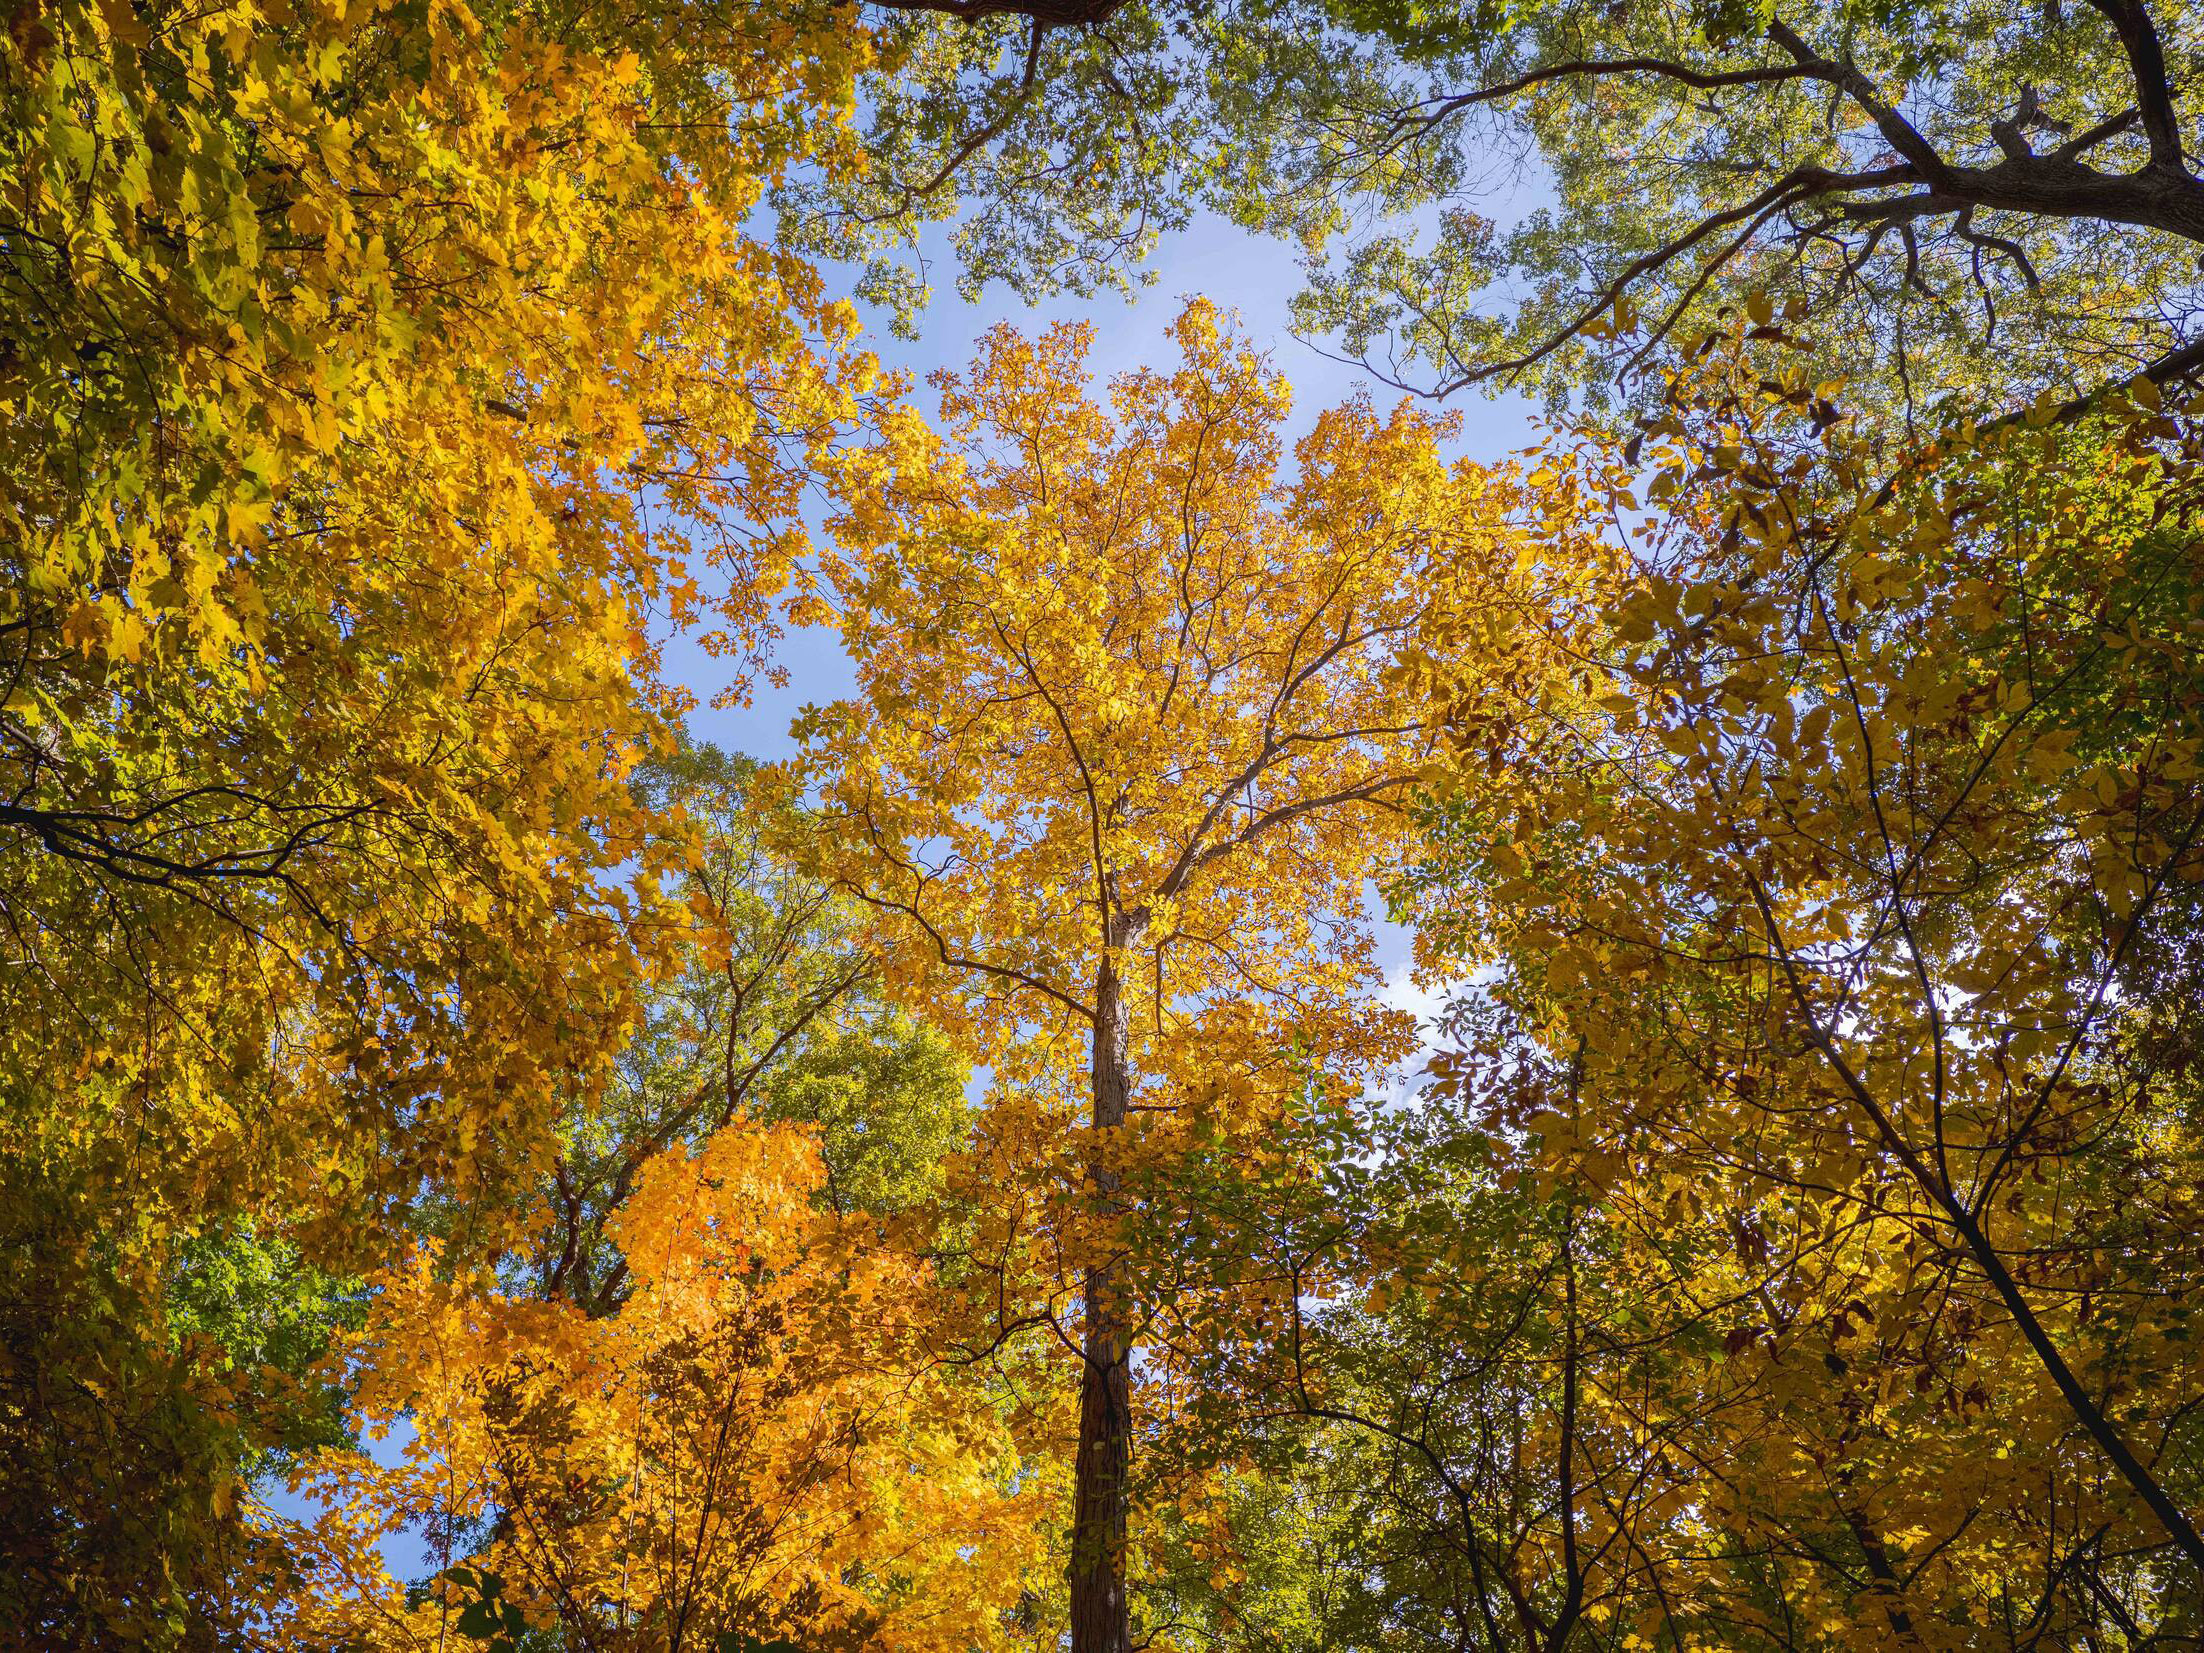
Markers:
point(1919, 183)
point(104, 838)
point(2153, 86)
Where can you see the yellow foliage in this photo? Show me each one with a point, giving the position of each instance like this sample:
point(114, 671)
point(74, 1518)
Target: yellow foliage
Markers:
point(1857, 903)
point(756, 1442)
point(1142, 708)
point(374, 379)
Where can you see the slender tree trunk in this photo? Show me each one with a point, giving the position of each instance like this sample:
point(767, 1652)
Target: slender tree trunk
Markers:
point(1099, 1621)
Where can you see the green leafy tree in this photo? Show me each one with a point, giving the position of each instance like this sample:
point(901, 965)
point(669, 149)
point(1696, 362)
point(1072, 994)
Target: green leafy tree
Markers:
point(1986, 202)
point(771, 1011)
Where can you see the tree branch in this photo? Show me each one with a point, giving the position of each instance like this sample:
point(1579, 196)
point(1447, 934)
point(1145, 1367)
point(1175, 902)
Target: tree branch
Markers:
point(2146, 59)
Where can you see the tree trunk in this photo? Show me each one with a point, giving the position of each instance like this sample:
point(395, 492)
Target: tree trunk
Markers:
point(1099, 1620)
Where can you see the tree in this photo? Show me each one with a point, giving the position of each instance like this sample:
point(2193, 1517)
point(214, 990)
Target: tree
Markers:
point(753, 1448)
point(1470, 1412)
point(1132, 733)
point(699, 1403)
point(1986, 201)
point(770, 1011)
point(1860, 880)
point(345, 349)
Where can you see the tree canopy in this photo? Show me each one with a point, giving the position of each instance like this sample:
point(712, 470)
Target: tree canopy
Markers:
point(355, 418)
point(1984, 202)
point(1326, 1047)
point(1132, 737)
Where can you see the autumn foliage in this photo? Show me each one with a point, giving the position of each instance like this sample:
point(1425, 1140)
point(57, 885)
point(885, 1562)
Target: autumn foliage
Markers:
point(482, 1167)
point(1848, 912)
point(756, 1443)
point(343, 350)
